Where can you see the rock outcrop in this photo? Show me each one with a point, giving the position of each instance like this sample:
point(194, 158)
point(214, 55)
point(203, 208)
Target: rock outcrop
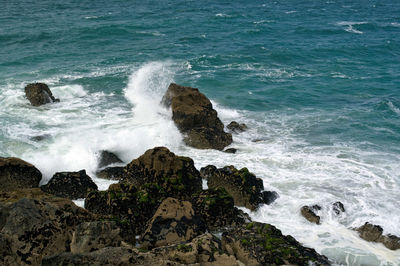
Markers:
point(107, 158)
point(112, 173)
point(195, 117)
point(243, 186)
point(39, 94)
point(235, 127)
point(338, 208)
point(374, 233)
point(263, 244)
point(308, 212)
point(16, 173)
point(71, 185)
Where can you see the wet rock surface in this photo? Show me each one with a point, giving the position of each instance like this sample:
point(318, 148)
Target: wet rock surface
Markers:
point(374, 233)
point(195, 117)
point(230, 150)
point(112, 173)
point(71, 185)
point(309, 212)
point(235, 127)
point(338, 208)
point(107, 158)
point(16, 173)
point(39, 94)
point(242, 185)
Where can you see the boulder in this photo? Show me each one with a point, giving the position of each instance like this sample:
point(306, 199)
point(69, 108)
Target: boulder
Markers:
point(374, 233)
point(175, 175)
point(230, 150)
point(243, 186)
point(338, 207)
point(217, 209)
point(308, 212)
point(71, 185)
point(39, 94)
point(174, 221)
point(16, 173)
point(107, 158)
point(112, 173)
point(263, 244)
point(195, 117)
point(235, 127)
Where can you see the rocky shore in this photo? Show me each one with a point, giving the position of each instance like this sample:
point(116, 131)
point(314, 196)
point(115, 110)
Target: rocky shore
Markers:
point(158, 213)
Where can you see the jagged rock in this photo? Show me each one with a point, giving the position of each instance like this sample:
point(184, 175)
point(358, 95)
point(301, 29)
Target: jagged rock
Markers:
point(175, 175)
point(174, 221)
point(217, 209)
point(374, 233)
point(264, 244)
point(16, 173)
point(235, 127)
point(39, 94)
point(269, 196)
point(112, 173)
point(243, 186)
point(309, 213)
point(107, 158)
point(230, 150)
point(338, 207)
point(38, 226)
point(71, 185)
point(195, 117)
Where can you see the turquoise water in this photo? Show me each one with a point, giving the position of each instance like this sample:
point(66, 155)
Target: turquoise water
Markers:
point(317, 81)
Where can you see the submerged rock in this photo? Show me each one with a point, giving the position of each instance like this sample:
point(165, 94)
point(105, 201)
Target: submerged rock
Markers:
point(235, 127)
point(338, 207)
point(71, 185)
point(263, 244)
point(112, 173)
point(16, 173)
point(243, 186)
point(230, 150)
point(107, 158)
point(195, 117)
point(39, 94)
point(374, 233)
point(308, 212)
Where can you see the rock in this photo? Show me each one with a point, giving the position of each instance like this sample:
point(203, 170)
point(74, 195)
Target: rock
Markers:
point(338, 207)
point(175, 175)
point(174, 221)
point(39, 94)
point(40, 137)
point(107, 158)
point(195, 117)
point(16, 173)
point(112, 173)
point(235, 127)
point(264, 244)
point(243, 186)
point(309, 213)
point(71, 185)
point(269, 196)
point(34, 227)
point(230, 150)
point(374, 233)
point(217, 209)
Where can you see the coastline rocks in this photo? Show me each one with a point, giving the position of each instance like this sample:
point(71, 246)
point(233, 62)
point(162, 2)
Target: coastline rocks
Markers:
point(112, 173)
point(174, 222)
point(374, 233)
point(263, 244)
point(107, 158)
point(16, 173)
point(235, 127)
point(308, 212)
point(230, 150)
point(338, 207)
point(195, 117)
point(243, 186)
point(175, 175)
point(39, 94)
point(71, 185)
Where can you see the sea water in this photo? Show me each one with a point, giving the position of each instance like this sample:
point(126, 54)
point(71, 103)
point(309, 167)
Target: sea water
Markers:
point(317, 83)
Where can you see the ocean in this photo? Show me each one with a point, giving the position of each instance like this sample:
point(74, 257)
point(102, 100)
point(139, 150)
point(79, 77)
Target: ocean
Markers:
point(317, 83)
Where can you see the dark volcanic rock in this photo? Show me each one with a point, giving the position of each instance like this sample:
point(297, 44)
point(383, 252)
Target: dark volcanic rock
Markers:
point(106, 158)
point(243, 186)
point(16, 173)
point(230, 150)
point(174, 221)
point(194, 115)
point(39, 94)
point(264, 244)
point(175, 175)
point(309, 213)
point(235, 127)
point(113, 173)
point(72, 185)
point(338, 207)
point(374, 233)
point(269, 196)
point(217, 209)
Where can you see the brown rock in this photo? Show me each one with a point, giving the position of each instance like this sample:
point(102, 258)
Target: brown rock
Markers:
point(107, 158)
point(39, 94)
point(195, 117)
point(308, 212)
point(235, 127)
point(16, 173)
point(374, 233)
point(112, 173)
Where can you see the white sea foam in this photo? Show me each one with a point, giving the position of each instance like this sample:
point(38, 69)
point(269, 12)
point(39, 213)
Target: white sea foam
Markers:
point(393, 107)
point(350, 25)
